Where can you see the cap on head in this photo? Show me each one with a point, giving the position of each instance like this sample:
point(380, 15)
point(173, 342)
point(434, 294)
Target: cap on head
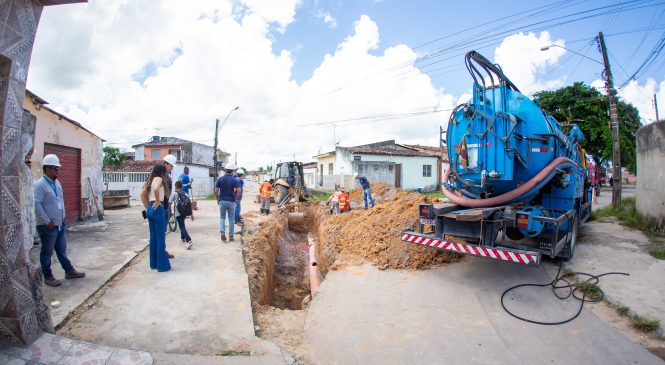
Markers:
point(170, 159)
point(355, 174)
point(240, 172)
point(51, 160)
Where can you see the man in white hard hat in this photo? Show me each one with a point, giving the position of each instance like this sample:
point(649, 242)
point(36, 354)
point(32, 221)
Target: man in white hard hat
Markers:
point(169, 162)
point(226, 193)
point(50, 215)
point(241, 183)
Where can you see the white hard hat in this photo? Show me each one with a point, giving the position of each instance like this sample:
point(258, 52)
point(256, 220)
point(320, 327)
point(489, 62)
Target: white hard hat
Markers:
point(230, 167)
point(355, 174)
point(240, 172)
point(51, 160)
point(170, 159)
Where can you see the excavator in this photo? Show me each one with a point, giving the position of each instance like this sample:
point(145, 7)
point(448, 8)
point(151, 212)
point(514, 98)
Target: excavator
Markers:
point(289, 183)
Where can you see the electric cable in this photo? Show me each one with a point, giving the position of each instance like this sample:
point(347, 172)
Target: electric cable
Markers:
point(572, 292)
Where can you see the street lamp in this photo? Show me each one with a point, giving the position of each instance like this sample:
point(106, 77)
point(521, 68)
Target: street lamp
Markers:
point(217, 128)
point(570, 50)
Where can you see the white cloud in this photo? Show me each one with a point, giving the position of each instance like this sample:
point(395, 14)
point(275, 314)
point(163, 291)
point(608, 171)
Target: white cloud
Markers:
point(523, 62)
point(203, 60)
point(326, 18)
point(641, 96)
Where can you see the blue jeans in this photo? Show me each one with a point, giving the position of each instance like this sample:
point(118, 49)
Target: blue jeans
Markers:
point(226, 209)
point(183, 231)
point(237, 214)
point(157, 223)
point(53, 240)
point(367, 193)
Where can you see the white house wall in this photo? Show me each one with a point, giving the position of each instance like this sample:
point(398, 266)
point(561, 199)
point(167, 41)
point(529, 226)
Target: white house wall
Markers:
point(412, 169)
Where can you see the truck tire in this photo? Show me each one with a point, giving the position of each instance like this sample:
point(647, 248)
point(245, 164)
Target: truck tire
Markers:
point(569, 250)
point(281, 195)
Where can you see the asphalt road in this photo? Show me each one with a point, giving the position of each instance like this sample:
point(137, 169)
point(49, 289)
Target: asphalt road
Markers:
point(452, 315)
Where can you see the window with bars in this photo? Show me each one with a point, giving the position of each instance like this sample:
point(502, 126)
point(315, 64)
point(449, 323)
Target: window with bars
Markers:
point(113, 177)
point(427, 170)
point(139, 177)
point(330, 169)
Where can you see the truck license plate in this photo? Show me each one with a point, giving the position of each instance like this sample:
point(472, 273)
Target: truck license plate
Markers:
point(426, 221)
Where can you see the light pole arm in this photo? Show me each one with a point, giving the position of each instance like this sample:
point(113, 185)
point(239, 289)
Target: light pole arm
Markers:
point(570, 50)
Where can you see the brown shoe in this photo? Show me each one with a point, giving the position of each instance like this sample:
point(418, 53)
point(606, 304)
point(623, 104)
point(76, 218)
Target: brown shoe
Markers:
point(74, 274)
point(230, 238)
point(51, 281)
point(169, 255)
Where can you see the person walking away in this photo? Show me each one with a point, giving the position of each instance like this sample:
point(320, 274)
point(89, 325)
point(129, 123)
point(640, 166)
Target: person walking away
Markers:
point(344, 201)
point(226, 193)
point(334, 198)
point(265, 190)
point(169, 162)
point(185, 180)
point(367, 192)
point(50, 216)
point(151, 197)
point(241, 183)
point(182, 208)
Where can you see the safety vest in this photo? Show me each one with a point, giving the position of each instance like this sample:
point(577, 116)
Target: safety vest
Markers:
point(266, 190)
point(344, 202)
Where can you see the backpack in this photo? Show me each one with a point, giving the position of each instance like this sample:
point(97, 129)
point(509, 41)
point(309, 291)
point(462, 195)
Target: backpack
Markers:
point(184, 204)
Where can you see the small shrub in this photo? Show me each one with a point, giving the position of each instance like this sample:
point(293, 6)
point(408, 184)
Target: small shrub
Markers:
point(644, 324)
point(592, 291)
point(568, 273)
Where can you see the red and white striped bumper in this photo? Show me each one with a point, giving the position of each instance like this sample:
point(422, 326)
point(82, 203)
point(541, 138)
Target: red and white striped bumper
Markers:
point(504, 254)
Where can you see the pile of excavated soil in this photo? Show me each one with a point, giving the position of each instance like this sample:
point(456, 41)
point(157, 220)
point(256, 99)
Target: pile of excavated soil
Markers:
point(374, 235)
point(380, 192)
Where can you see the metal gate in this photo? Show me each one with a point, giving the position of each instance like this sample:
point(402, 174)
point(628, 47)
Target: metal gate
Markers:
point(69, 175)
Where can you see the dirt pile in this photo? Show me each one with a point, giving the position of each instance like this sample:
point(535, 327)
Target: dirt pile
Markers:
point(380, 192)
point(374, 235)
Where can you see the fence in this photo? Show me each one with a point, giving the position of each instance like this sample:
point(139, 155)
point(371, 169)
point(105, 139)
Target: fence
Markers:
point(133, 181)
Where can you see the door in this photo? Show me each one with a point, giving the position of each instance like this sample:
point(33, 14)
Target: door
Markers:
point(398, 175)
point(69, 175)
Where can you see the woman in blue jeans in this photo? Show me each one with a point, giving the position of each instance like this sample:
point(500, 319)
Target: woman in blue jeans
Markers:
point(153, 191)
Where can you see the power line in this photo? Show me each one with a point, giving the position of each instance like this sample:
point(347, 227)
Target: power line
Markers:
point(648, 61)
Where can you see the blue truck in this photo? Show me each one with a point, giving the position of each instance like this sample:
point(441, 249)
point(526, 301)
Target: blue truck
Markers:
point(518, 183)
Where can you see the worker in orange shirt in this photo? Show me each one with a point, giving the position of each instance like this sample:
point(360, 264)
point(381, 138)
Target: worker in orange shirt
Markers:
point(344, 201)
point(266, 193)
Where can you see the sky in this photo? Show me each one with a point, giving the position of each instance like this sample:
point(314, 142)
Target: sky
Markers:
point(309, 74)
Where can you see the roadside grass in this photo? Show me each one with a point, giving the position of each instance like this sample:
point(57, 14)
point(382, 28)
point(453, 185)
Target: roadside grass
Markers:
point(434, 194)
point(210, 197)
point(658, 253)
point(623, 311)
point(627, 215)
point(591, 290)
point(320, 197)
point(568, 273)
point(645, 324)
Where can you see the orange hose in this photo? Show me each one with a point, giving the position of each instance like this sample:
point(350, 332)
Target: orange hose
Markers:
point(503, 198)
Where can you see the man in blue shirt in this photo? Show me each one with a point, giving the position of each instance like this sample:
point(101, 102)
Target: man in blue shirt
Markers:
point(50, 216)
point(367, 192)
point(185, 180)
point(241, 183)
point(226, 193)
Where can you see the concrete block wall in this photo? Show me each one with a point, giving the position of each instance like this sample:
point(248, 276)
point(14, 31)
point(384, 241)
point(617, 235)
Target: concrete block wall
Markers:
point(650, 190)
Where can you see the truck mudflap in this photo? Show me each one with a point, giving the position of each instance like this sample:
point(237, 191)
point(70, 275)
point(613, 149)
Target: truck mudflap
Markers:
point(530, 258)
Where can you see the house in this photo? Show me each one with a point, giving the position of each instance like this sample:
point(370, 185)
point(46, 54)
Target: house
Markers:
point(309, 173)
point(408, 167)
point(196, 156)
point(80, 154)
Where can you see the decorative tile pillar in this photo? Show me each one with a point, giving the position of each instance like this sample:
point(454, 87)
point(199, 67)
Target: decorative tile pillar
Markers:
point(23, 315)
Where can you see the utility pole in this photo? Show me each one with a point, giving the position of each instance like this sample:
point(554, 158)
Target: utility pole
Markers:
point(655, 106)
point(214, 153)
point(614, 120)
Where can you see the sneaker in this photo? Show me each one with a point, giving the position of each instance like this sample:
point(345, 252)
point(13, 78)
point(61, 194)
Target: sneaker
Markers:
point(231, 238)
point(51, 281)
point(169, 255)
point(224, 237)
point(74, 274)
point(182, 239)
point(188, 245)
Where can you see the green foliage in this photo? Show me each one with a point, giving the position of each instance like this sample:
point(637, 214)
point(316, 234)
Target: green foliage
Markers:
point(628, 216)
point(658, 254)
point(320, 197)
point(623, 311)
point(591, 290)
point(113, 157)
point(210, 197)
point(588, 108)
point(644, 324)
point(434, 194)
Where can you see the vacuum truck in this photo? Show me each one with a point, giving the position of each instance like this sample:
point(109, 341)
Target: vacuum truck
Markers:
point(518, 181)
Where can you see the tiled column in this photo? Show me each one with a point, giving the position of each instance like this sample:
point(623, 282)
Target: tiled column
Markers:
point(23, 315)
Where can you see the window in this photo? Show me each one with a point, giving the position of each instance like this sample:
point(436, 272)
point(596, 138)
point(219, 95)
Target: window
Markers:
point(360, 168)
point(356, 158)
point(376, 167)
point(155, 154)
point(175, 153)
point(390, 168)
point(330, 169)
point(427, 170)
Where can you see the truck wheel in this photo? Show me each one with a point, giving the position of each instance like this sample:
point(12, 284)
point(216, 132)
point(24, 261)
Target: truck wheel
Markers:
point(572, 243)
point(281, 195)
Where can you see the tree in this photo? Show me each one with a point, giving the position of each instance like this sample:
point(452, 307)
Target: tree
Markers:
point(588, 108)
point(113, 156)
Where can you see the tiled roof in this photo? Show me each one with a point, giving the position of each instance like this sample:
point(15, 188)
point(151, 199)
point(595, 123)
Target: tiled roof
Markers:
point(134, 166)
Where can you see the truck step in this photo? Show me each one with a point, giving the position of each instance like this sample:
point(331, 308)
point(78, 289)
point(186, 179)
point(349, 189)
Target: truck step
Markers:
point(504, 254)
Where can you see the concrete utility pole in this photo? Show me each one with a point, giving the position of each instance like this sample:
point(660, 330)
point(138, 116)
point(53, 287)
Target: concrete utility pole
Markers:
point(214, 153)
point(655, 106)
point(614, 120)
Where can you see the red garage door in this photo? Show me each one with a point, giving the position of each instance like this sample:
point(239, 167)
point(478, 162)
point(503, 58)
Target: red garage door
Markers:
point(69, 176)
